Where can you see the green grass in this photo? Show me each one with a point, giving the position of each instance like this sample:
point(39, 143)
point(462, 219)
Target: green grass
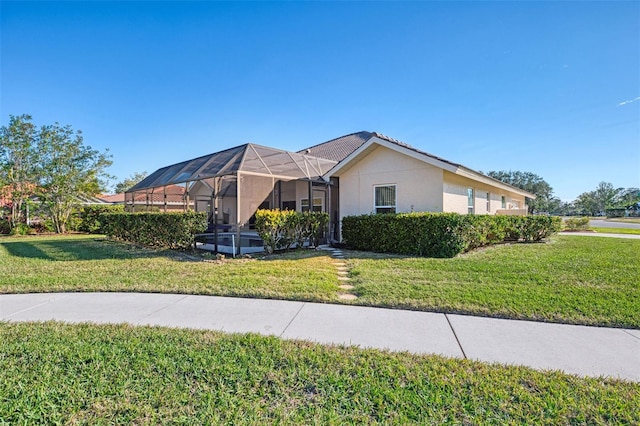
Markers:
point(624, 219)
point(616, 230)
point(581, 280)
point(87, 263)
point(88, 374)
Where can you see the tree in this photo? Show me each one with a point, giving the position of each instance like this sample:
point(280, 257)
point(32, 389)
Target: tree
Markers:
point(587, 204)
point(529, 182)
point(604, 197)
point(18, 160)
point(68, 171)
point(127, 183)
point(627, 197)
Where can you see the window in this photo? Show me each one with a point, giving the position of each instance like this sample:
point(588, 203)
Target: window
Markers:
point(317, 204)
point(470, 197)
point(503, 202)
point(384, 199)
point(488, 202)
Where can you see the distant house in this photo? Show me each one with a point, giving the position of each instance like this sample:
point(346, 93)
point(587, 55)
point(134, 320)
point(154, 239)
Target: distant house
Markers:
point(167, 198)
point(359, 173)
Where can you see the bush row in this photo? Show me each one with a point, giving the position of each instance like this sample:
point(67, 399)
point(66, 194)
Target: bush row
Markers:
point(87, 218)
point(165, 230)
point(281, 229)
point(441, 234)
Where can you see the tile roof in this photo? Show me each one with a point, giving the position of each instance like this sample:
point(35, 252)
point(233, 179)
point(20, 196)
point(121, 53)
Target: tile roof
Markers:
point(406, 145)
point(339, 148)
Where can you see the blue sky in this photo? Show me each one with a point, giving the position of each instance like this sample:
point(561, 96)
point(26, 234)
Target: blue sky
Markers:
point(547, 87)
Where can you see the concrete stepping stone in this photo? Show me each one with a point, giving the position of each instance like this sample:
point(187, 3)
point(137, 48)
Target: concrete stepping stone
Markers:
point(343, 273)
point(346, 287)
point(347, 296)
point(344, 279)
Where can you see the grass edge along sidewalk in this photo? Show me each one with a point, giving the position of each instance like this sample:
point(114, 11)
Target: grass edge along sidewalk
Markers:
point(568, 280)
point(57, 373)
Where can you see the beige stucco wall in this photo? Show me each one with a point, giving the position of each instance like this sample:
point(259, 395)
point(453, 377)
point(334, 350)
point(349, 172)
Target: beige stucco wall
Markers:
point(418, 185)
point(455, 195)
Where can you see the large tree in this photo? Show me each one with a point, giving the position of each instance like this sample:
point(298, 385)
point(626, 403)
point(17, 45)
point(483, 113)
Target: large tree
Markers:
point(68, 172)
point(18, 160)
point(127, 183)
point(529, 182)
point(604, 197)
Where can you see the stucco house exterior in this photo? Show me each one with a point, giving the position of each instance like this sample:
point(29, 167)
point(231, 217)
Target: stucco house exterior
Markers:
point(359, 173)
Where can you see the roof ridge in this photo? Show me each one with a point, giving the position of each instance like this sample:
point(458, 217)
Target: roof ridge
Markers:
point(335, 139)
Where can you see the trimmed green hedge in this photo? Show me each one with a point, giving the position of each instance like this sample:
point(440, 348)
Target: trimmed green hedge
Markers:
point(441, 234)
point(89, 217)
point(281, 229)
point(165, 230)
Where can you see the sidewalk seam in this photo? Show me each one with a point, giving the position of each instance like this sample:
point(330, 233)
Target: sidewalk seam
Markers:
point(632, 335)
point(35, 306)
point(162, 308)
point(292, 319)
point(456, 336)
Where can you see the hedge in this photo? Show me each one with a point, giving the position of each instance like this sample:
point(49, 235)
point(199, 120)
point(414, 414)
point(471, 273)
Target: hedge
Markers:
point(164, 230)
point(89, 217)
point(441, 234)
point(282, 229)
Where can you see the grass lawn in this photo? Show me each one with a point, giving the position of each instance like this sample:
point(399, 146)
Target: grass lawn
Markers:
point(624, 219)
point(90, 263)
point(616, 230)
point(572, 279)
point(52, 374)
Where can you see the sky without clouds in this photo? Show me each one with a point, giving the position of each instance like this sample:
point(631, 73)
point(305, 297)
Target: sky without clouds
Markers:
point(547, 87)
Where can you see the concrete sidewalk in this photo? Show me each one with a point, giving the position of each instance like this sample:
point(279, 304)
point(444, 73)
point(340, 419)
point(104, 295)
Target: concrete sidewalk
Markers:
point(586, 351)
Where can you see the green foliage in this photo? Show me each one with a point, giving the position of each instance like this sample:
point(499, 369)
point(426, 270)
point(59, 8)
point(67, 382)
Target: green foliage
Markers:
point(89, 217)
point(69, 170)
point(164, 230)
point(577, 223)
point(129, 182)
point(5, 225)
point(18, 164)
point(529, 182)
point(606, 198)
point(22, 229)
point(440, 234)
point(281, 229)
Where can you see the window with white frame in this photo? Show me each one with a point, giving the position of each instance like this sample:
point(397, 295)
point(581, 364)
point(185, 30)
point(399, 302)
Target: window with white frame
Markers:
point(470, 200)
point(317, 204)
point(503, 202)
point(384, 198)
point(488, 202)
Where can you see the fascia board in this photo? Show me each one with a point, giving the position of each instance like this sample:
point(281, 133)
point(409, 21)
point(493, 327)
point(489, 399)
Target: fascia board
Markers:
point(470, 174)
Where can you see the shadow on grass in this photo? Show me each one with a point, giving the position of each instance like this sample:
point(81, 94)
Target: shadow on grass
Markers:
point(75, 250)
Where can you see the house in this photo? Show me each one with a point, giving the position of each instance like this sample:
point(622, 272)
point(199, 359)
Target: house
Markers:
point(169, 198)
point(360, 173)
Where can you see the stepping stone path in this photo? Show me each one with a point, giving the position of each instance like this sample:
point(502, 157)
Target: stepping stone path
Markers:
point(343, 273)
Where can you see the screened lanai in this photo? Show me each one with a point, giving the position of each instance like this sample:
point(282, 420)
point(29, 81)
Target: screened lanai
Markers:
point(231, 185)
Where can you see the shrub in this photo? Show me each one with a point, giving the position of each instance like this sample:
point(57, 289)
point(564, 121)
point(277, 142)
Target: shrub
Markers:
point(164, 230)
point(281, 229)
point(5, 225)
point(577, 223)
point(89, 217)
point(440, 234)
point(22, 229)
